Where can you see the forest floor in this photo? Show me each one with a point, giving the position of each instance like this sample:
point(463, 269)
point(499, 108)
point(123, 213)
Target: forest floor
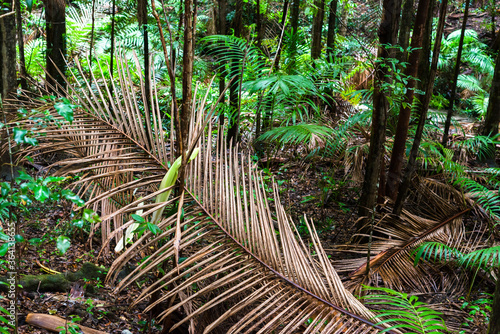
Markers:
point(314, 189)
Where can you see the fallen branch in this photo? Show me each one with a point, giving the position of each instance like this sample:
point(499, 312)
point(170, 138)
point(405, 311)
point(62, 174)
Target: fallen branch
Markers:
point(56, 324)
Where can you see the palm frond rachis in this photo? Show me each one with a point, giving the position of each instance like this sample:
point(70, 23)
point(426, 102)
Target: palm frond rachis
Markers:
point(436, 215)
point(240, 258)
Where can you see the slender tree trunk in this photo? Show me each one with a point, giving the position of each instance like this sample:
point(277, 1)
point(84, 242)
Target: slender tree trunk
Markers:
point(55, 17)
point(112, 55)
point(422, 112)
point(260, 32)
point(233, 131)
point(492, 118)
point(187, 74)
point(387, 36)
point(294, 23)
point(221, 30)
point(424, 67)
point(7, 49)
point(283, 23)
point(317, 28)
point(92, 29)
point(20, 45)
point(455, 77)
point(405, 30)
point(142, 19)
point(344, 16)
point(332, 25)
point(398, 149)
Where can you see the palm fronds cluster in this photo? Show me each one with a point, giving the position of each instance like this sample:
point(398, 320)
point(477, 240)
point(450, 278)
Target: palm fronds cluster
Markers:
point(229, 261)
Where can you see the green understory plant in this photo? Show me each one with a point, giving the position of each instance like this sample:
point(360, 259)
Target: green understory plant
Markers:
point(478, 310)
point(411, 316)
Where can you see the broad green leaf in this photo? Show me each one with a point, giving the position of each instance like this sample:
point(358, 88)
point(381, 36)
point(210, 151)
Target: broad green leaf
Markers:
point(51, 179)
point(4, 248)
point(63, 243)
point(24, 176)
point(20, 136)
point(90, 216)
point(154, 229)
point(65, 109)
point(77, 223)
point(138, 218)
point(41, 193)
point(70, 196)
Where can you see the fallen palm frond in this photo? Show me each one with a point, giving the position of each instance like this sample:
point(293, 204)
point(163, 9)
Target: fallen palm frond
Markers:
point(437, 216)
point(224, 254)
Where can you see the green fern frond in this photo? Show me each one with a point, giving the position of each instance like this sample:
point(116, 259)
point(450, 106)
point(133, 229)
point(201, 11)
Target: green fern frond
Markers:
point(297, 134)
point(480, 103)
point(437, 251)
point(410, 315)
point(477, 58)
point(481, 146)
point(344, 132)
point(235, 53)
point(488, 199)
point(483, 258)
point(469, 82)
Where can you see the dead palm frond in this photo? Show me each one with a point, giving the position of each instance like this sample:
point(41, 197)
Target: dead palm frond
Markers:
point(222, 249)
point(437, 215)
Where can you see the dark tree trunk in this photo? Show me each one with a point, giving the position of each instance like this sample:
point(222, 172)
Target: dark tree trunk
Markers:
point(294, 23)
point(317, 28)
point(55, 18)
point(399, 146)
point(112, 53)
point(492, 118)
point(260, 31)
point(7, 49)
point(332, 25)
point(494, 325)
point(422, 112)
point(283, 23)
point(142, 19)
point(387, 36)
point(233, 131)
point(424, 67)
point(20, 45)
point(221, 30)
point(404, 32)
point(455, 77)
point(187, 75)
